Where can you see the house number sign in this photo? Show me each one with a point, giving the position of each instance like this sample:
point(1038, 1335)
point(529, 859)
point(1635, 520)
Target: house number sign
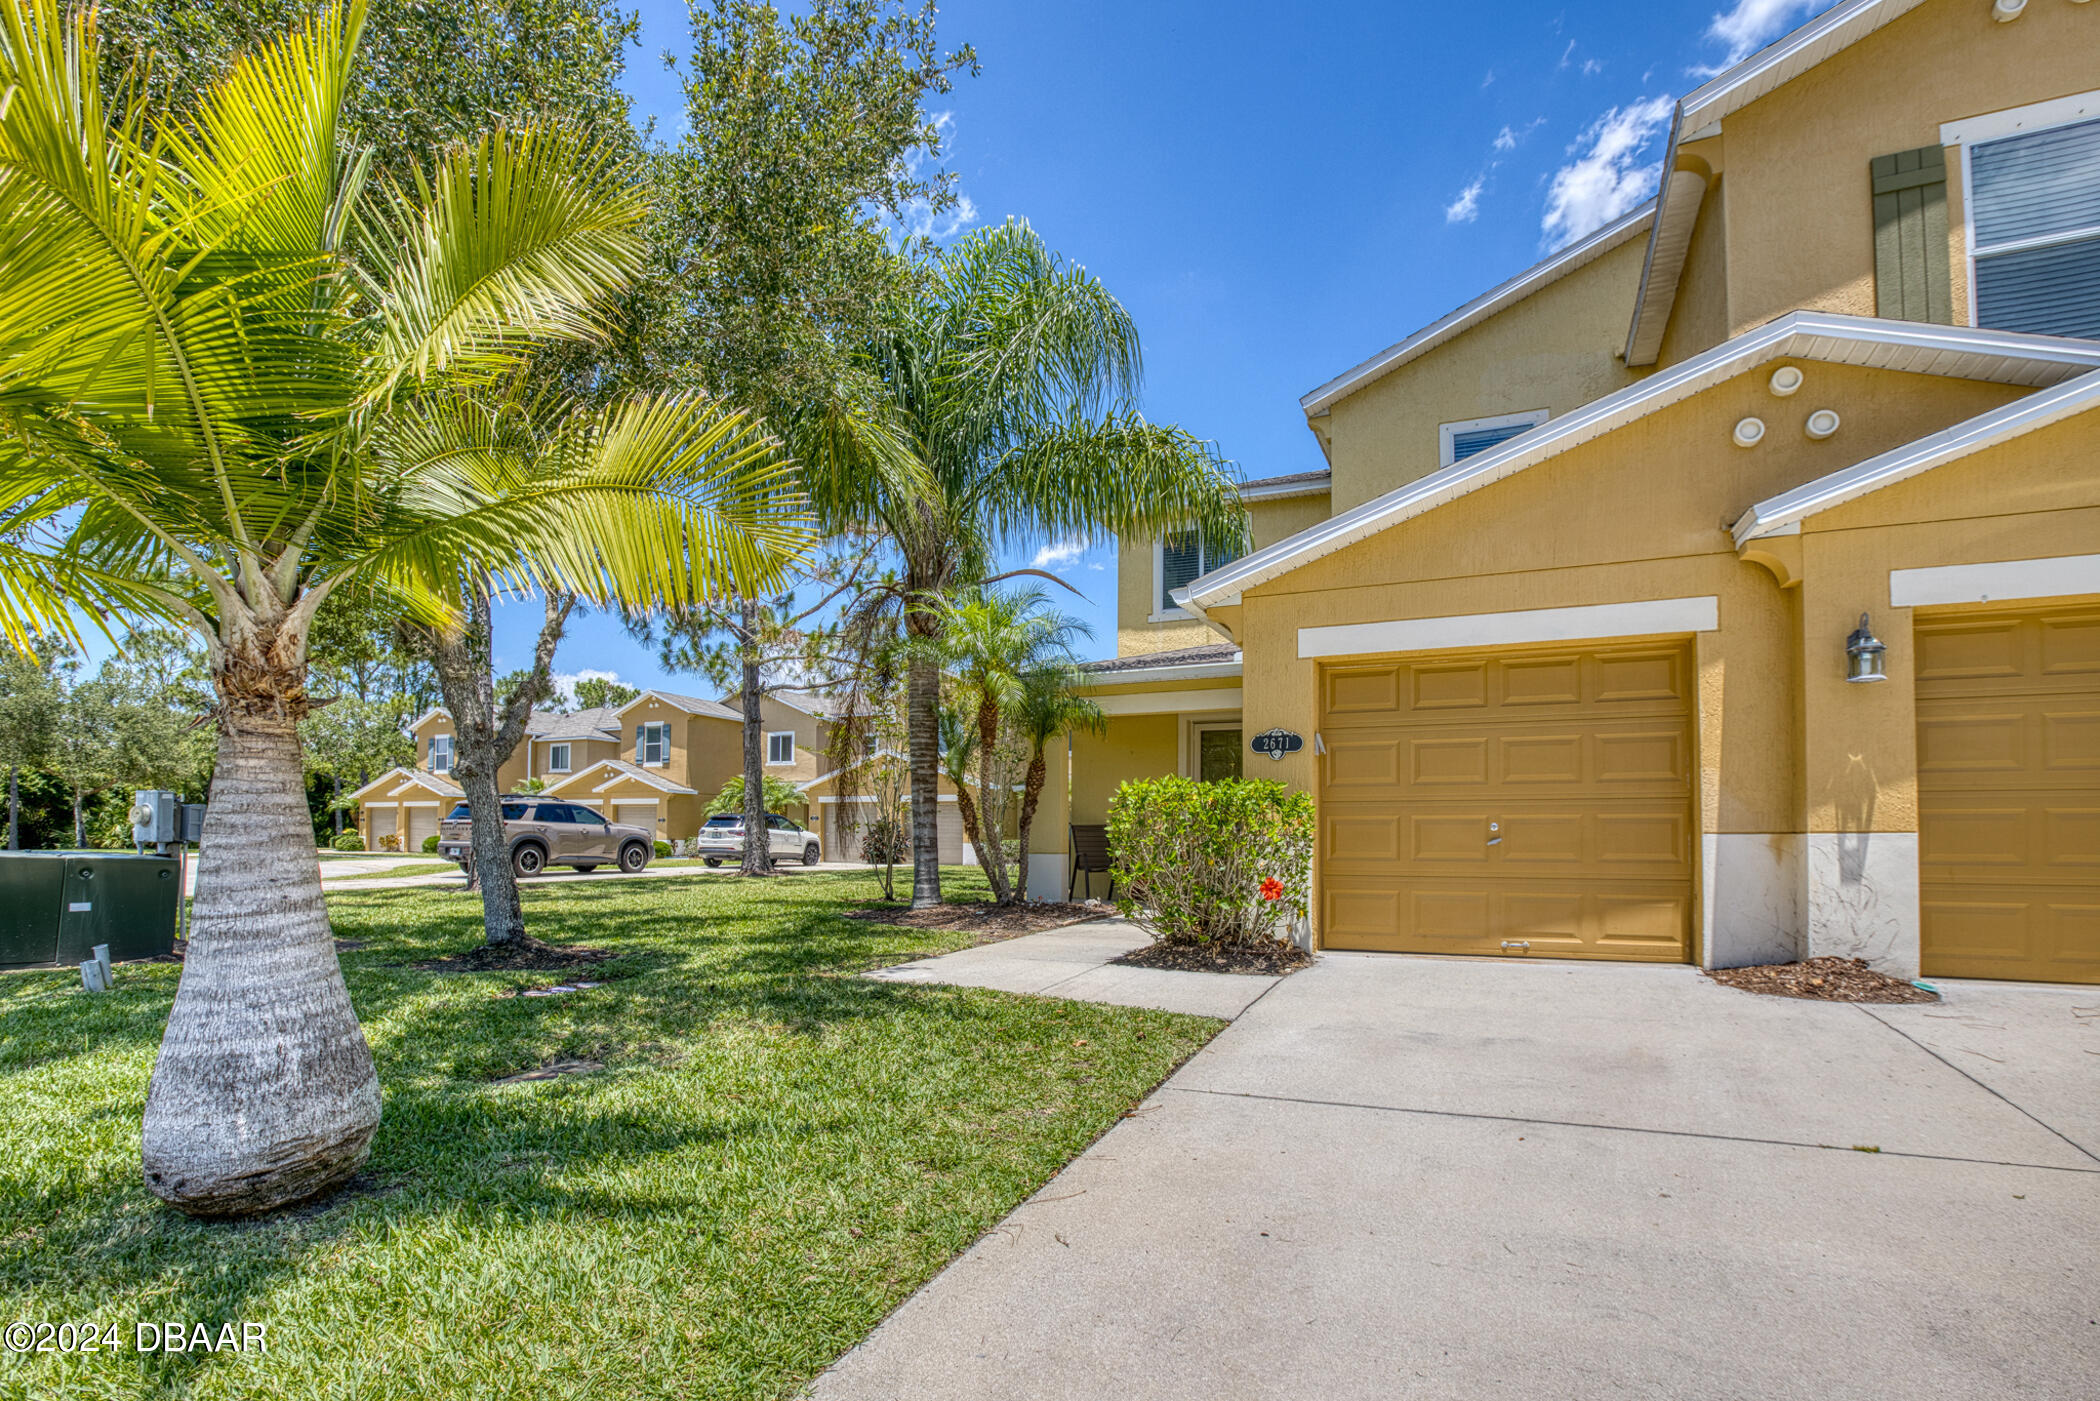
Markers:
point(1277, 743)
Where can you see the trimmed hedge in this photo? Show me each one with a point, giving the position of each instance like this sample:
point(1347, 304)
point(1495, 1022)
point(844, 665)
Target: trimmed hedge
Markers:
point(430, 845)
point(349, 841)
point(1224, 862)
point(663, 848)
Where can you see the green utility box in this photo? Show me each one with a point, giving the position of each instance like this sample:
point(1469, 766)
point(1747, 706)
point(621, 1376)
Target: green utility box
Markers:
point(55, 906)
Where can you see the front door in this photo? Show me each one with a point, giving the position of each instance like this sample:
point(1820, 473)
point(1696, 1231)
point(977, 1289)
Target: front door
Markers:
point(1218, 754)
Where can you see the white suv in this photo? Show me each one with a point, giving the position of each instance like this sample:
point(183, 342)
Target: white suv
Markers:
point(722, 839)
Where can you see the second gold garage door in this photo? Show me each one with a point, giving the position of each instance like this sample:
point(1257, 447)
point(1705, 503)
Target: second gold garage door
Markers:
point(1515, 803)
point(2009, 795)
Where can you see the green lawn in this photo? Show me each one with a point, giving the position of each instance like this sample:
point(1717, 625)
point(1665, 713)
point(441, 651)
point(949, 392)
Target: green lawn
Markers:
point(775, 1155)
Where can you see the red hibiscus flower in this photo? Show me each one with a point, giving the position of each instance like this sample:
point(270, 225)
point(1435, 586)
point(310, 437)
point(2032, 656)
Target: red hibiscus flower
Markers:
point(1272, 889)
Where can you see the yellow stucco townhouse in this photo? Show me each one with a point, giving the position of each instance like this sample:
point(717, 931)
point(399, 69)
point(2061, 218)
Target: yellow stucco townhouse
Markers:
point(1725, 588)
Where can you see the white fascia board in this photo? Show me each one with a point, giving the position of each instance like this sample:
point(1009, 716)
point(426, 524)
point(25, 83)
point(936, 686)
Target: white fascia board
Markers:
point(1909, 346)
point(1990, 126)
point(1576, 255)
point(1787, 58)
point(1206, 671)
point(1998, 582)
point(1777, 514)
point(394, 775)
point(1171, 702)
point(433, 713)
point(1646, 618)
point(1323, 486)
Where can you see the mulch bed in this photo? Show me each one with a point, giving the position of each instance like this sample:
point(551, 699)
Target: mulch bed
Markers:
point(528, 956)
point(983, 917)
point(1822, 980)
point(1267, 960)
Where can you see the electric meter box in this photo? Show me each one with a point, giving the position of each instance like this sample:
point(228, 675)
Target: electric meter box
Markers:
point(55, 906)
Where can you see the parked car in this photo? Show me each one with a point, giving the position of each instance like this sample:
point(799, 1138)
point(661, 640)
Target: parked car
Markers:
point(722, 839)
point(541, 832)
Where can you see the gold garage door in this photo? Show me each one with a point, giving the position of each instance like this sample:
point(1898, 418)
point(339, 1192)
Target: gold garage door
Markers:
point(2009, 795)
point(1510, 803)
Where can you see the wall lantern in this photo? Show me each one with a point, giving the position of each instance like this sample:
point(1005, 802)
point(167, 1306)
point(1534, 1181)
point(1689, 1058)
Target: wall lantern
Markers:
point(1863, 654)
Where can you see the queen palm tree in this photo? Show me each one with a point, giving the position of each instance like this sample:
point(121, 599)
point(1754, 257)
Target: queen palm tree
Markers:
point(1001, 643)
point(1002, 414)
point(1050, 706)
point(203, 327)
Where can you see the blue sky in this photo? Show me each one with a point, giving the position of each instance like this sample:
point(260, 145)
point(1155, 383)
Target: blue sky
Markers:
point(1278, 192)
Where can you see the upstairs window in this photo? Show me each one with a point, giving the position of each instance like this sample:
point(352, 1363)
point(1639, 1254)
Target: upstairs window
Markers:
point(1458, 441)
point(1178, 560)
point(780, 747)
point(652, 744)
point(557, 758)
point(441, 753)
point(2034, 217)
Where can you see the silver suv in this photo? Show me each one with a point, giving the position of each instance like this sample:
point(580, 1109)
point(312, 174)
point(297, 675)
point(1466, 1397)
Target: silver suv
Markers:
point(541, 832)
point(722, 839)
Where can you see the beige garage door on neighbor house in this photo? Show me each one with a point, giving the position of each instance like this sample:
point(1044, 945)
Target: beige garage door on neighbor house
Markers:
point(422, 823)
point(1512, 803)
point(636, 815)
point(2009, 794)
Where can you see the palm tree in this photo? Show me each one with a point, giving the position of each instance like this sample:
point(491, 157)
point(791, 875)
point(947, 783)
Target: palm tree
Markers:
point(999, 642)
point(1001, 414)
point(1050, 706)
point(202, 328)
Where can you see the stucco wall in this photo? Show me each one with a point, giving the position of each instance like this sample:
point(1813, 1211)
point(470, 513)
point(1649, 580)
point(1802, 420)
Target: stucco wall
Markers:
point(1136, 634)
point(1554, 350)
point(1135, 746)
point(1800, 207)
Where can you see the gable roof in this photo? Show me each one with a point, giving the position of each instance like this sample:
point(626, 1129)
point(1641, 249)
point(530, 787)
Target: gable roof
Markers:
point(813, 703)
point(692, 705)
point(1698, 116)
point(1915, 347)
point(1783, 514)
point(612, 771)
point(1578, 254)
point(397, 781)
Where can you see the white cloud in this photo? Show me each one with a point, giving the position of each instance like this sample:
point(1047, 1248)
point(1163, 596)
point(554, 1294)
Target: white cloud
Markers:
point(1466, 208)
point(920, 219)
point(1567, 53)
point(1607, 176)
point(1509, 138)
point(565, 682)
point(1591, 68)
point(1059, 552)
point(1749, 25)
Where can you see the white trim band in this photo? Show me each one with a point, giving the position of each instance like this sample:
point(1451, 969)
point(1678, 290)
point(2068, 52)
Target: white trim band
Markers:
point(1583, 624)
point(1170, 702)
point(1992, 583)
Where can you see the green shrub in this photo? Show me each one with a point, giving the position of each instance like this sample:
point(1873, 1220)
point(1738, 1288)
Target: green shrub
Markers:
point(349, 841)
point(1225, 862)
point(390, 842)
point(430, 845)
point(886, 841)
point(663, 849)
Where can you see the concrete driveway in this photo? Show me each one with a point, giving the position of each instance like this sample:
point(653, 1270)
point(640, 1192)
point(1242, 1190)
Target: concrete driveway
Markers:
point(1407, 1177)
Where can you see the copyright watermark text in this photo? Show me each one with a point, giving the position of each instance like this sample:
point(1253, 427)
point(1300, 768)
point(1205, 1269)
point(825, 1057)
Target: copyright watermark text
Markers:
point(169, 1336)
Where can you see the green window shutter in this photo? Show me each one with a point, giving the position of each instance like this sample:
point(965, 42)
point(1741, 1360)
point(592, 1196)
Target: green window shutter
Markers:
point(1911, 281)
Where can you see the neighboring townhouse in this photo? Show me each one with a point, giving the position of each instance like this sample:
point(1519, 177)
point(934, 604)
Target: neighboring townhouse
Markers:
point(1726, 588)
point(407, 803)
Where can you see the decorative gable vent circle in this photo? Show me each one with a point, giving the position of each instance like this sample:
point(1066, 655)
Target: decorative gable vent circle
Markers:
point(1786, 380)
point(1749, 433)
point(1822, 423)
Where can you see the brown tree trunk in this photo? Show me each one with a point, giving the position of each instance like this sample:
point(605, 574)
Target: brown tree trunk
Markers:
point(991, 843)
point(264, 1092)
point(483, 739)
point(922, 719)
point(758, 838)
point(1031, 792)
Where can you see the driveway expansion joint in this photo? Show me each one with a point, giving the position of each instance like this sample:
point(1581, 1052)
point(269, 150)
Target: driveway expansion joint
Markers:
point(1636, 1129)
point(2011, 1103)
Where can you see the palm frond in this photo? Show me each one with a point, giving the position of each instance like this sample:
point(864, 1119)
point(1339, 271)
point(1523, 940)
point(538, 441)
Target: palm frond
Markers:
point(522, 238)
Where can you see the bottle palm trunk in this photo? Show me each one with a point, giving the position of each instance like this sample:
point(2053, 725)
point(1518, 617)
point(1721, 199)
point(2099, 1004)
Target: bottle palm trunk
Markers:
point(923, 721)
point(264, 1092)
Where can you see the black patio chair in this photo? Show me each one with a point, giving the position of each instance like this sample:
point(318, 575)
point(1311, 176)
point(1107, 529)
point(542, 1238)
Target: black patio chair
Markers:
point(1090, 854)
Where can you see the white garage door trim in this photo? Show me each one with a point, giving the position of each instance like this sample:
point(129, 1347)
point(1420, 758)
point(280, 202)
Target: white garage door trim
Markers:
point(1532, 625)
point(2003, 580)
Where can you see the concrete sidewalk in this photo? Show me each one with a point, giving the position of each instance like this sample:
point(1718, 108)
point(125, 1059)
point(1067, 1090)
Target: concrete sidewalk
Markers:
point(1077, 961)
point(1410, 1177)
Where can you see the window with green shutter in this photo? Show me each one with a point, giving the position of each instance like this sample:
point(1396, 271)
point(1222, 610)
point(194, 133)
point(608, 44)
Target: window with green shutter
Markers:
point(1911, 280)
